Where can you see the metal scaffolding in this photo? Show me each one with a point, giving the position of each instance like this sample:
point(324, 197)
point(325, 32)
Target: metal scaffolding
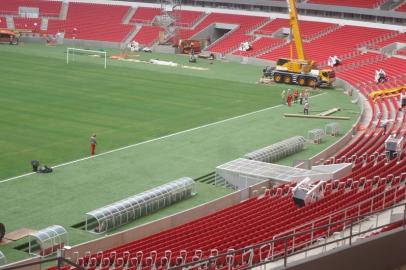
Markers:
point(316, 135)
point(333, 129)
point(169, 20)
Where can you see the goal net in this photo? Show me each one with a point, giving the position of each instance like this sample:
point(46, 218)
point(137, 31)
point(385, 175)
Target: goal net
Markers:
point(72, 54)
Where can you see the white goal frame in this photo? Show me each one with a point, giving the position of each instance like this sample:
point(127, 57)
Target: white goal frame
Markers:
point(73, 50)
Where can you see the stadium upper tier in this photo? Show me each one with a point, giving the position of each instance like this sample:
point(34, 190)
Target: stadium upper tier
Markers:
point(108, 22)
point(92, 22)
point(341, 42)
point(46, 8)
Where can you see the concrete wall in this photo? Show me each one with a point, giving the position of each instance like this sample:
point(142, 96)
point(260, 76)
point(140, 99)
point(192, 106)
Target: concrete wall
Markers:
point(73, 42)
point(383, 252)
point(27, 261)
point(250, 60)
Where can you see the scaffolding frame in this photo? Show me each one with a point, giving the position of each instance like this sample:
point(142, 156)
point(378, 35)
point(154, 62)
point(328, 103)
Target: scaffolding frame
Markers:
point(333, 129)
point(316, 135)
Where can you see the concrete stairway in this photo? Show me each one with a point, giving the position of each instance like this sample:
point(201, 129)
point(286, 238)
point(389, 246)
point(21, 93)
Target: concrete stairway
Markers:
point(44, 23)
point(64, 10)
point(129, 15)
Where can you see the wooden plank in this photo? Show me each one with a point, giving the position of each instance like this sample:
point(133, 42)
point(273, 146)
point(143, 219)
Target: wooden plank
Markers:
point(18, 234)
point(331, 111)
point(316, 116)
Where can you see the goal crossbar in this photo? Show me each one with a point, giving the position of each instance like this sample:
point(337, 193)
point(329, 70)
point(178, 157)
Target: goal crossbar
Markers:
point(68, 50)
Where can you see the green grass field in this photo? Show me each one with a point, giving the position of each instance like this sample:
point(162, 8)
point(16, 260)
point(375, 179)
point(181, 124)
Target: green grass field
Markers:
point(49, 110)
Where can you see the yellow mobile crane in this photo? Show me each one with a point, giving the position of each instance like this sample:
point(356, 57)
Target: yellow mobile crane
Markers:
point(298, 71)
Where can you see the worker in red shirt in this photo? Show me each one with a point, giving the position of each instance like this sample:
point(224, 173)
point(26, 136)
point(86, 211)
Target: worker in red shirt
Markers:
point(295, 96)
point(290, 99)
point(93, 143)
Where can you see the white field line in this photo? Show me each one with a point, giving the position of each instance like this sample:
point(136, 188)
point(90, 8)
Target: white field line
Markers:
point(150, 141)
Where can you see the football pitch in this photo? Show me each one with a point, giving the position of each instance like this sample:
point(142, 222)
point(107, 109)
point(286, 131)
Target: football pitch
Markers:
point(154, 124)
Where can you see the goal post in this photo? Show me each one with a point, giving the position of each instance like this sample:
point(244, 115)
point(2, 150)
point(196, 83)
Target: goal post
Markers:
point(70, 54)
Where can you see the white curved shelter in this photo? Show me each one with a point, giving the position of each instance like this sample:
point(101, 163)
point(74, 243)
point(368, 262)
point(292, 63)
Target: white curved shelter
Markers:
point(122, 212)
point(47, 241)
point(3, 260)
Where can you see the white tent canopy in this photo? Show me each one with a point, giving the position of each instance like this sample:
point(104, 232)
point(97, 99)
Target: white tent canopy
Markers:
point(242, 173)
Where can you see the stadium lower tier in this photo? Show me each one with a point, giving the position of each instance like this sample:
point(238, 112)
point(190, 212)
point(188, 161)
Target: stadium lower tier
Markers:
point(251, 222)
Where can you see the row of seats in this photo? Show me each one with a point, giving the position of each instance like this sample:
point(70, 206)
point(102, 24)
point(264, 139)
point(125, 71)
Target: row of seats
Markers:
point(342, 41)
point(3, 22)
point(93, 22)
point(46, 8)
point(308, 29)
point(145, 15)
point(357, 60)
point(402, 8)
point(366, 73)
point(260, 45)
point(352, 3)
point(230, 43)
point(27, 23)
point(398, 37)
point(401, 52)
point(369, 137)
point(185, 18)
point(148, 34)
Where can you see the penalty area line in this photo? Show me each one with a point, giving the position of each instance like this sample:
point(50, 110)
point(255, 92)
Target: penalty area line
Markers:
point(151, 140)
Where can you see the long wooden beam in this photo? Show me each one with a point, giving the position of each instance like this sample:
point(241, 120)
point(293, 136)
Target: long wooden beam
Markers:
point(317, 116)
point(331, 111)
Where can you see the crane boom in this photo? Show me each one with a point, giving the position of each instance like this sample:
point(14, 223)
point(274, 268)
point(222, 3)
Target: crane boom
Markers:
point(295, 29)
